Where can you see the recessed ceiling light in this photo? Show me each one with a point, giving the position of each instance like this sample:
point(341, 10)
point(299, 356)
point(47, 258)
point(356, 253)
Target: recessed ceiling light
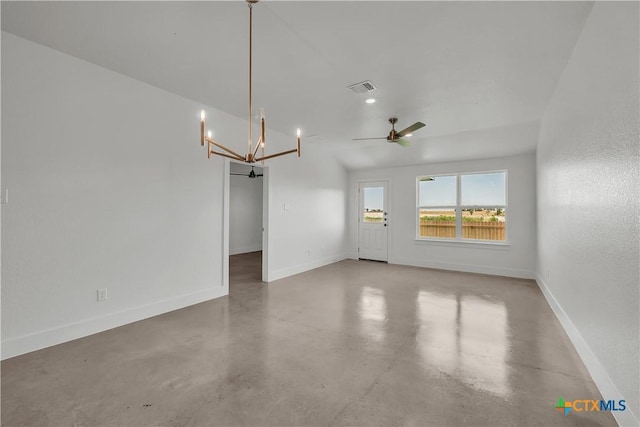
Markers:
point(370, 101)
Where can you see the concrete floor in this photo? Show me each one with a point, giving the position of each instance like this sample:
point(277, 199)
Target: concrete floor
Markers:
point(353, 343)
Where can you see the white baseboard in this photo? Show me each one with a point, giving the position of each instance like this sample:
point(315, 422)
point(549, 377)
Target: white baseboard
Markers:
point(60, 334)
point(598, 373)
point(301, 268)
point(244, 250)
point(467, 268)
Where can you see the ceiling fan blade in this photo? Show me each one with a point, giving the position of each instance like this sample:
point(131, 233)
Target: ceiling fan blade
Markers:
point(414, 127)
point(366, 139)
point(402, 142)
point(257, 175)
point(238, 174)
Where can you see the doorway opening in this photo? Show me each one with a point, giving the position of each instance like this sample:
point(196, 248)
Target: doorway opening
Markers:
point(245, 214)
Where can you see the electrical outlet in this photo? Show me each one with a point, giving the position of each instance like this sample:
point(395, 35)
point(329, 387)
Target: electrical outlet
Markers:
point(102, 294)
point(4, 196)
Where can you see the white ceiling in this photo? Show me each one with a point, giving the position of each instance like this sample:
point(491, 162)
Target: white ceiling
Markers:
point(479, 74)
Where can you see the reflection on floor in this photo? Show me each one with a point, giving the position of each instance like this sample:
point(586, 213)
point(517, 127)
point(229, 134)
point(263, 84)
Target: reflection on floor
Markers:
point(353, 343)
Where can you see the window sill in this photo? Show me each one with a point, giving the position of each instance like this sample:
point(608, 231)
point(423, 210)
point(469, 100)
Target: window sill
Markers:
point(477, 244)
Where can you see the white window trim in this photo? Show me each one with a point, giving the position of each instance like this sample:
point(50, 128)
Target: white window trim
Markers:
point(458, 240)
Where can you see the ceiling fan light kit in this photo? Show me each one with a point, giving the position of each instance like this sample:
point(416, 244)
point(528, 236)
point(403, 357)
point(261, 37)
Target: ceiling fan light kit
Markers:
point(252, 152)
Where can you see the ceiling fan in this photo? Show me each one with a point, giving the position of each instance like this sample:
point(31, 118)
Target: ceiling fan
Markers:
point(251, 174)
point(395, 136)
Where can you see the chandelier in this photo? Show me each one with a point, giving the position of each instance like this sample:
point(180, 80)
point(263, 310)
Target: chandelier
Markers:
point(252, 151)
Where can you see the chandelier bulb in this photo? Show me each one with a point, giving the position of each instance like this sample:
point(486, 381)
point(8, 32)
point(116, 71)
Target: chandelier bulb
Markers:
point(202, 115)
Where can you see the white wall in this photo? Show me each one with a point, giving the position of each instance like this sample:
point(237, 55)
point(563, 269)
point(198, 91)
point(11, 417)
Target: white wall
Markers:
point(311, 231)
point(110, 188)
point(245, 214)
point(515, 260)
point(588, 201)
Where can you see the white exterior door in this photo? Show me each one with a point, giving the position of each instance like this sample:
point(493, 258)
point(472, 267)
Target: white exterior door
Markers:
point(372, 221)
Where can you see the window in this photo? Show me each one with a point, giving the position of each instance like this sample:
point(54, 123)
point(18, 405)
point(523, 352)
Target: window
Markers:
point(373, 203)
point(469, 206)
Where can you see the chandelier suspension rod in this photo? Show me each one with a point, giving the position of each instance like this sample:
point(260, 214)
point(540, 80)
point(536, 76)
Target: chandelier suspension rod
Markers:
point(250, 75)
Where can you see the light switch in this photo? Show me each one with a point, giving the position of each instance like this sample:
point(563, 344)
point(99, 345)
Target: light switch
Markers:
point(286, 206)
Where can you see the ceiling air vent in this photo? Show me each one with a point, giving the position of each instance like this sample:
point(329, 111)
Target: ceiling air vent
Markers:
point(362, 87)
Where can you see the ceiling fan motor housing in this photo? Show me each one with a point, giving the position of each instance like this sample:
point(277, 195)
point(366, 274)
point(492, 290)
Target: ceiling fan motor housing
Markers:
point(392, 135)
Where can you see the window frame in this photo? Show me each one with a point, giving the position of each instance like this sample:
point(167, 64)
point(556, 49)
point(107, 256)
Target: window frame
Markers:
point(458, 208)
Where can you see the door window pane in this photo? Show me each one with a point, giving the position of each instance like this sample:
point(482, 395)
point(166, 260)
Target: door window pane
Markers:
point(373, 198)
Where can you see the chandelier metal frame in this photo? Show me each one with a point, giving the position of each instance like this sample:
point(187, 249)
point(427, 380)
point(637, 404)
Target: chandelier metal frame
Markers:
point(252, 151)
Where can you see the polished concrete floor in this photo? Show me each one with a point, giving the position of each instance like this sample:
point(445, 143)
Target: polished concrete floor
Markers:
point(353, 343)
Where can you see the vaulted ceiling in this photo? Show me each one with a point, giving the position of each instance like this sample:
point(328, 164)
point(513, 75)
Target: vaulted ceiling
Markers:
point(479, 74)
